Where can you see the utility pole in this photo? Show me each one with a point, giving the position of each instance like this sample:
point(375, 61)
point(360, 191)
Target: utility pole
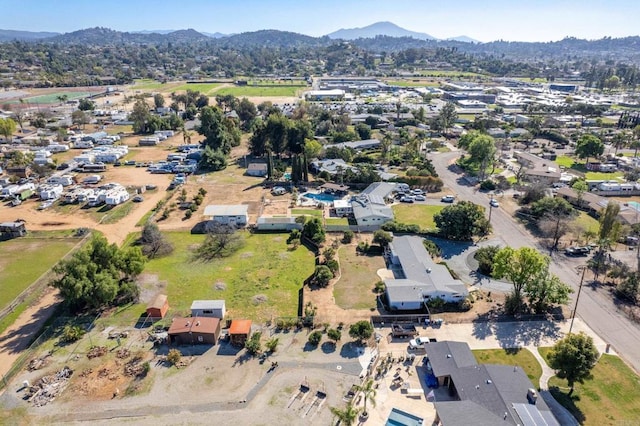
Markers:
point(575, 308)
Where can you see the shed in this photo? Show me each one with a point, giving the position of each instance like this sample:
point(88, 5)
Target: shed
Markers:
point(208, 308)
point(194, 331)
point(257, 169)
point(13, 229)
point(239, 332)
point(158, 307)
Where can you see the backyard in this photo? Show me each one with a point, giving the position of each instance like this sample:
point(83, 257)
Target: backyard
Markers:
point(520, 357)
point(571, 163)
point(418, 214)
point(260, 281)
point(611, 397)
point(354, 290)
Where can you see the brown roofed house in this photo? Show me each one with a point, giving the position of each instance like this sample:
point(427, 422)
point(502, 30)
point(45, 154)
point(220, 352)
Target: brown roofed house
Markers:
point(194, 331)
point(239, 332)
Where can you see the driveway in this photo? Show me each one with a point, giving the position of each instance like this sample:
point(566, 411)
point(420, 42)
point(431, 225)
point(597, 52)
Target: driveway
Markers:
point(596, 306)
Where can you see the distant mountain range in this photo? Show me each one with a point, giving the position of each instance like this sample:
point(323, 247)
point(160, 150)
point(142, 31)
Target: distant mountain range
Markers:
point(100, 35)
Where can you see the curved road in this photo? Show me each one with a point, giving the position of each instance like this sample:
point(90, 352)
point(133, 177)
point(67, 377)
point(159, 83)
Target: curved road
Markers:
point(596, 306)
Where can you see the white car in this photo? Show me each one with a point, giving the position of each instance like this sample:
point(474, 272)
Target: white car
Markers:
point(494, 203)
point(407, 199)
point(417, 191)
point(418, 342)
point(448, 199)
point(420, 198)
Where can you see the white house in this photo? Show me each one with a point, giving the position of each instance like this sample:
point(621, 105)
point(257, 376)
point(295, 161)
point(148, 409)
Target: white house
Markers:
point(370, 209)
point(208, 308)
point(342, 207)
point(417, 278)
point(257, 169)
point(237, 215)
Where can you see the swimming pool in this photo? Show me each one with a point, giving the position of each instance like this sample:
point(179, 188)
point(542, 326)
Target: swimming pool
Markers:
point(634, 205)
point(325, 198)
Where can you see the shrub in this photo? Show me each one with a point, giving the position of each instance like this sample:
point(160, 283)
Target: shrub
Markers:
point(435, 303)
point(146, 367)
point(315, 338)
point(322, 275)
point(382, 237)
point(401, 228)
point(174, 356)
point(487, 185)
point(272, 344)
point(432, 248)
point(188, 214)
point(347, 237)
point(379, 287)
point(363, 247)
point(71, 333)
point(361, 330)
point(334, 335)
point(253, 344)
point(333, 265)
point(485, 256)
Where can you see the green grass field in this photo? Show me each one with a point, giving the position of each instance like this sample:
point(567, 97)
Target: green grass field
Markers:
point(306, 212)
point(354, 289)
point(52, 98)
point(565, 161)
point(24, 260)
point(418, 214)
point(604, 176)
point(260, 91)
point(520, 357)
point(264, 266)
point(339, 221)
point(413, 83)
point(206, 88)
point(612, 397)
point(447, 73)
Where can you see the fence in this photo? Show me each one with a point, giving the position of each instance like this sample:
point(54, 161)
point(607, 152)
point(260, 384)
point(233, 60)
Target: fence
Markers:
point(40, 283)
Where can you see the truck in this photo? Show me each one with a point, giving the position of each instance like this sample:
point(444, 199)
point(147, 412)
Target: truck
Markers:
point(403, 330)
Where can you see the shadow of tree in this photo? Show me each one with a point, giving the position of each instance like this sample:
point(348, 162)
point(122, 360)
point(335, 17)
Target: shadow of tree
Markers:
point(515, 334)
point(568, 402)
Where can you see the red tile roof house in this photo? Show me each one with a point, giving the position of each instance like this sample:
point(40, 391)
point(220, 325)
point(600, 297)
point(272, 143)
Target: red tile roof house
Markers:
point(194, 331)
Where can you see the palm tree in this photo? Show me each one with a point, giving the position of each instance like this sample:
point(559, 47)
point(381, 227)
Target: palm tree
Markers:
point(369, 392)
point(346, 416)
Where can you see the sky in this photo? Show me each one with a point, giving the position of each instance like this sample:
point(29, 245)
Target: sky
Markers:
point(483, 20)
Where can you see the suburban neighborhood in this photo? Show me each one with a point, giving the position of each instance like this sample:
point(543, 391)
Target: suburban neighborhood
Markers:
point(363, 236)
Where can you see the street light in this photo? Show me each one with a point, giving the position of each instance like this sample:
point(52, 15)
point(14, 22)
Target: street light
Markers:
point(575, 308)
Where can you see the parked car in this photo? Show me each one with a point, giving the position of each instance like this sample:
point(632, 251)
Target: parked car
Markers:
point(418, 342)
point(448, 199)
point(407, 199)
point(417, 191)
point(138, 199)
point(577, 251)
point(494, 203)
point(420, 198)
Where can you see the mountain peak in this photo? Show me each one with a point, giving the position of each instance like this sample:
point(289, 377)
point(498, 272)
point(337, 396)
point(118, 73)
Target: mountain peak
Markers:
point(382, 28)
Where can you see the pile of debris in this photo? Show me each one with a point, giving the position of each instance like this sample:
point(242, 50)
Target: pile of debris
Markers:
point(38, 363)
point(96, 351)
point(48, 387)
point(123, 353)
point(135, 367)
point(118, 334)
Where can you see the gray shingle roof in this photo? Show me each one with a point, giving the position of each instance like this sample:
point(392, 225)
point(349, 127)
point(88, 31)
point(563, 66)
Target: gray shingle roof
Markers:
point(447, 357)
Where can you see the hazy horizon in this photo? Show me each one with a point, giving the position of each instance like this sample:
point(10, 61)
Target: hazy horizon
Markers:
point(546, 20)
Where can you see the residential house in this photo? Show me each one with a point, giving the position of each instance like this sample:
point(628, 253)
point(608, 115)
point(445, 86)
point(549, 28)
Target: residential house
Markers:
point(239, 331)
point(417, 278)
point(356, 145)
point(483, 394)
point(257, 169)
point(538, 169)
point(236, 215)
point(193, 331)
point(342, 208)
point(268, 223)
point(333, 166)
point(13, 229)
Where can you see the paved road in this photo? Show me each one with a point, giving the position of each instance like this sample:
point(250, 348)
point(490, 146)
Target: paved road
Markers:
point(596, 306)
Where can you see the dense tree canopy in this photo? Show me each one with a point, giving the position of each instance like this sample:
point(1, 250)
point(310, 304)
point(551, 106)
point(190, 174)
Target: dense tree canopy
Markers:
point(99, 275)
point(7, 127)
point(462, 221)
point(589, 146)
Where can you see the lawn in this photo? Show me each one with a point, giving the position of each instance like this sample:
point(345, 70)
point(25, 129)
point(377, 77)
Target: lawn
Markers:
point(604, 176)
point(612, 397)
point(258, 91)
point(52, 98)
point(306, 212)
point(338, 221)
point(418, 214)
point(564, 161)
point(354, 290)
point(147, 84)
point(263, 267)
point(586, 222)
point(520, 357)
point(205, 88)
point(24, 260)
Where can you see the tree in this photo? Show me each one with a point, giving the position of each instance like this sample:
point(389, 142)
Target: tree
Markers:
point(334, 335)
point(315, 338)
point(447, 117)
point(362, 330)
point(580, 187)
point(524, 268)
point(314, 230)
point(7, 128)
point(312, 148)
point(253, 345)
point(174, 356)
point(589, 146)
point(462, 221)
point(629, 287)
point(363, 131)
point(346, 416)
point(221, 241)
point(481, 149)
point(154, 244)
point(212, 159)
point(573, 358)
point(610, 227)
point(158, 100)
point(86, 105)
point(140, 116)
point(218, 132)
point(246, 111)
point(382, 238)
point(369, 394)
point(546, 292)
point(485, 257)
point(99, 275)
point(347, 237)
point(553, 214)
point(322, 276)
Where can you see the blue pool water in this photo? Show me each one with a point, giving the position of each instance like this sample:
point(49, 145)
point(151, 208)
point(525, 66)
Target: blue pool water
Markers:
point(327, 198)
point(634, 205)
point(287, 176)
